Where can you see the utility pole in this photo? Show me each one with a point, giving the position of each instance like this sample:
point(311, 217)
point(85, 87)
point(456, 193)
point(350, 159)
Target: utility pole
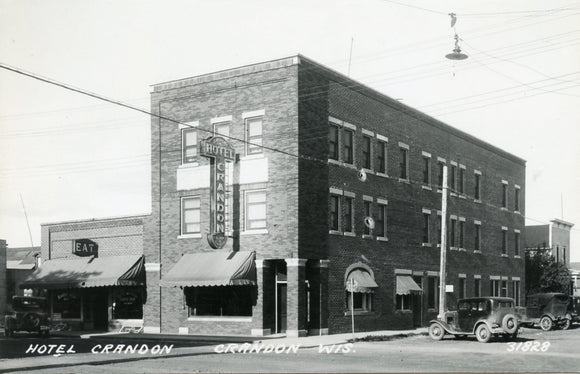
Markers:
point(443, 264)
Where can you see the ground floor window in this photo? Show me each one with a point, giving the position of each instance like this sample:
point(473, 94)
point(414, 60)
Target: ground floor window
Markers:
point(516, 288)
point(66, 304)
point(404, 302)
point(360, 301)
point(127, 303)
point(494, 287)
point(220, 300)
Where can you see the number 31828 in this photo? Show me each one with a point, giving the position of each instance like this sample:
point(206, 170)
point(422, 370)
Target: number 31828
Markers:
point(528, 347)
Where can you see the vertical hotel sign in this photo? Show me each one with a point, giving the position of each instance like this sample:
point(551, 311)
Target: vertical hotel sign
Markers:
point(219, 152)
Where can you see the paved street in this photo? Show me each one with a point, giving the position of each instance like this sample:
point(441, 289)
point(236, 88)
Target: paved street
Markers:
point(535, 350)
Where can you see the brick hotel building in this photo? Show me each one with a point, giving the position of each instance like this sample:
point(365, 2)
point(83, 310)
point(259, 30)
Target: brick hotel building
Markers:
point(298, 252)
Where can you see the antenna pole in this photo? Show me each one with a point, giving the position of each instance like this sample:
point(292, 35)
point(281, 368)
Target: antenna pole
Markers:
point(26, 216)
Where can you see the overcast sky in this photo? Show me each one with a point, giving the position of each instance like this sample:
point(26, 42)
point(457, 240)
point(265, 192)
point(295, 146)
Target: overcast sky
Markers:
point(67, 156)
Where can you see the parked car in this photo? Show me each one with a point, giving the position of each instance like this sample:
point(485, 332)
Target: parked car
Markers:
point(29, 314)
point(548, 310)
point(483, 317)
point(574, 309)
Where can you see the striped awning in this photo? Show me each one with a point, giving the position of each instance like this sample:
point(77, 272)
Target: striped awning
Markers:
point(88, 272)
point(360, 281)
point(221, 268)
point(407, 285)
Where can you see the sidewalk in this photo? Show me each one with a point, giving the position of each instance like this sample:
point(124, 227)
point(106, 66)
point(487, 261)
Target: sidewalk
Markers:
point(50, 361)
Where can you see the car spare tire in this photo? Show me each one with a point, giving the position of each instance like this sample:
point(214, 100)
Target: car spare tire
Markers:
point(31, 321)
point(509, 323)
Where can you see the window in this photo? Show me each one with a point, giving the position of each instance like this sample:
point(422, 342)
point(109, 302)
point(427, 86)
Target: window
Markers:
point(366, 152)
point(461, 182)
point(432, 292)
point(348, 149)
point(359, 301)
point(382, 157)
point(461, 288)
point(504, 241)
point(367, 213)
point(255, 210)
point(504, 290)
point(461, 234)
point(348, 214)
point(220, 300)
point(333, 142)
point(404, 163)
point(381, 221)
point(476, 287)
point(452, 232)
point(516, 244)
point(477, 237)
point(190, 215)
point(477, 192)
point(222, 128)
point(403, 302)
point(516, 291)
point(453, 178)
point(504, 192)
point(426, 170)
point(67, 303)
point(439, 226)
point(517, 200)
point(127, 303)
point(494, 287)
point(426, 231)
point(188, 145)
point(440, 175)
point(334, 209)
point(254, 135)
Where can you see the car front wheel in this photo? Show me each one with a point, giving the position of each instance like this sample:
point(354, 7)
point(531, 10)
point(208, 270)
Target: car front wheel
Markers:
point(482, 333)
point(546, 323)
point(436, 332)
point(565, 324)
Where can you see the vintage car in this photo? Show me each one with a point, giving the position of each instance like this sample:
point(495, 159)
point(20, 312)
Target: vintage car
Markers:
point(29, 314)
point(548, 310)
point(574, 309)
point(483, 317)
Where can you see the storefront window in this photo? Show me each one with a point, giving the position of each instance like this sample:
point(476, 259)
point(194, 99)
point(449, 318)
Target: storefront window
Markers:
point(220, 301)
point(127, 304)
point(66, 304)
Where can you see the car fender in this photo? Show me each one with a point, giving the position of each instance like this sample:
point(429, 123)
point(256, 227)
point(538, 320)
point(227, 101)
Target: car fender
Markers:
point(481, 322)
point(444, 325)
point(552, 317)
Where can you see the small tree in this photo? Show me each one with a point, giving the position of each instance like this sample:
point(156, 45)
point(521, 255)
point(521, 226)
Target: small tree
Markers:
point(544, 274)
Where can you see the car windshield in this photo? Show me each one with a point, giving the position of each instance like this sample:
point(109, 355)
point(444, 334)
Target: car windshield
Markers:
point(27, 304)
point(505, 304)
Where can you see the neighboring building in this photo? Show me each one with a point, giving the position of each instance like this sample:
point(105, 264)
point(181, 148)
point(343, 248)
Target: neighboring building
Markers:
point(93, 273)
point(554, 236)
point(298, 254)
point(3, 279)
point(20, 263)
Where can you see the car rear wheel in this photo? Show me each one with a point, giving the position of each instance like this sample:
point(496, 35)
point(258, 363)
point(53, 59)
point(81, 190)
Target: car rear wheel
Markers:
point(436, 332)
point(566, 324)
point(482, 333)
point(546, 323)
point(509, 324)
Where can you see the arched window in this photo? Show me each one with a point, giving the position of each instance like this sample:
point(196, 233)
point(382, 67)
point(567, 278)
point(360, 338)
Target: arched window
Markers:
point(359, 286)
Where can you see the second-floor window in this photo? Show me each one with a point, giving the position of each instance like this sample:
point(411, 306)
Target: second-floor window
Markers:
point(381, 221)
point(222, 128)
point(366, 152)
point(348, 214)
point(426, 231)
point(255, 210)
point(452, 232)
point(461, 234)
point(189, 145)
point(367, 213)
point(504, 244)
point(348, 146)
point(254, 135)
point(382, 157)
point(334, 209)
point(190, 215)
point(333, 142)
point(516, 244)
point(477, 237)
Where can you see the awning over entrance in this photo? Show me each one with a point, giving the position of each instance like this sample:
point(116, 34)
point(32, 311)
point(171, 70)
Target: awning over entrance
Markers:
point(88, 272)
point(360, 281)
point(406, 285)
point(212, 269)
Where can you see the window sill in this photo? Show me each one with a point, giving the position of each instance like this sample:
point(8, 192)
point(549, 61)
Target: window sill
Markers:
point(382, 175)
point(453, 194)
point(504, 209)
point(404, 181)
point(368, 171)
point(333, 161)
point(189, 236)
point(517, 212)
point(252, 157)
point(188, 165)
point(359, 313)
point(426, 245)
point(403, 311)
point(367, 236)
point(478, 201)
point(439, 190)
point(334, 232)
point(346, 164)
point(254, 232)
point(516, 256)
point(351, 234)
point(219, 319)
point(462, 196)
point(504, 255)
point(428, 188)
point(476, 251)
point(382, 239)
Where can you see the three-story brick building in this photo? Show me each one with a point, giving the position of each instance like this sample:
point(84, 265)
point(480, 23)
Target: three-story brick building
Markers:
point(299, 256)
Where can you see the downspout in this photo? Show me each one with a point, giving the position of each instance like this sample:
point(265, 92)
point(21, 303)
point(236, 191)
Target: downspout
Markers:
point(160, 197)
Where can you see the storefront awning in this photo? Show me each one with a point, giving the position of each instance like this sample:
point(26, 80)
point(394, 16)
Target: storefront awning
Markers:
point(212, 269)
point(88, 272)
point(360, 281)
point(406, 285)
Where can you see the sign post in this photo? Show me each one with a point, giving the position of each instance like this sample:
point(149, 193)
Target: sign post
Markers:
point(352, 284)
point(219, 152)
